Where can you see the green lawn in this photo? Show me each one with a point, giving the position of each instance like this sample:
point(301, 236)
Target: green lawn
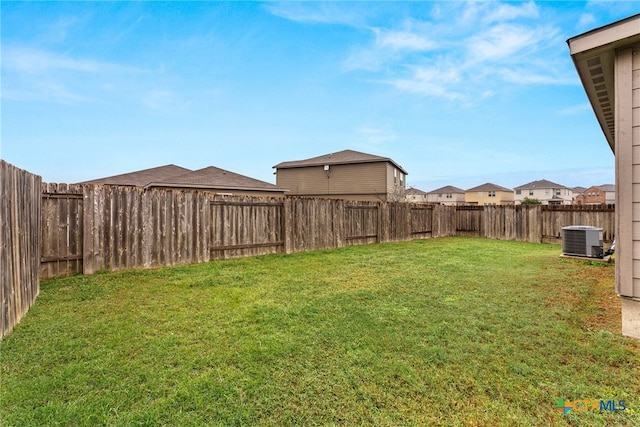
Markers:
point(450, 331)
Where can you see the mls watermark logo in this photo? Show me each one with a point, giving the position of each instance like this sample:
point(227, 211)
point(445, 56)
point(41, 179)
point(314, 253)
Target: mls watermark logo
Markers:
point(590, 405)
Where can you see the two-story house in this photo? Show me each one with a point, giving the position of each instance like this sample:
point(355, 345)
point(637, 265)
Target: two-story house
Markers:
point(578, 194)
point(447, 195)
point(489, 194)
point(547, 192)
point(599, 195)
point(348, 174)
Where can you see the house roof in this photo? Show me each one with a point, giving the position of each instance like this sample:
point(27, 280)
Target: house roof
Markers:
point(607, 187)
point(447, 189)
point(415, 191)
point(142, 177)
point(593, 55)
point(489, 187)
point(543, 183)
point(578, 189)
point(178, 177)
point(339, 158)
point(215, 178)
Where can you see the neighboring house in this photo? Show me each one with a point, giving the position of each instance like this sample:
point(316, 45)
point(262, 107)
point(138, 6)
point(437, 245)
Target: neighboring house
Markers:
point(599, 194)
point(578, 194)
point(413, 195)
point(608, 64)
point(489, 194)
point(549, 193)
point(348, 174)
point(210, 178)
point(448, 195)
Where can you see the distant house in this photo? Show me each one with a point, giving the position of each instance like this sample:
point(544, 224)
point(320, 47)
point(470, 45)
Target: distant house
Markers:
point(549, 193)
point(413, 195)
point(210, 178)
point(448, 195)
point(489, 194)
point(578, 193)
point(348, 174)
point(599, 194)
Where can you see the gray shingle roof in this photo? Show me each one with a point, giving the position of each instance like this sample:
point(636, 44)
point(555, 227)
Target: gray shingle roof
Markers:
point(340, 158)
point(415, 191)
point(215, 178)
point(178, 177)
point(447, 189)
point(142, 177)
point(607, 187)
point(489, 187)
point(543, 183)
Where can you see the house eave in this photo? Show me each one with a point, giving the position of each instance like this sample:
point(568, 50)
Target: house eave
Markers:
point(593, 54)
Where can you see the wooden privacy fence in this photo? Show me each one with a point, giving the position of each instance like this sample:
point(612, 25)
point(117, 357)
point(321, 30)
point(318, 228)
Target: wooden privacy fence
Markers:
point(20, 212)
point(94, 227)
point(537, 223)
point(49, 230)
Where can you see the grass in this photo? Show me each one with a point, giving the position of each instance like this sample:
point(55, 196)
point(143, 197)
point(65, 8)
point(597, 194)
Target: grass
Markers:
point(451, 331)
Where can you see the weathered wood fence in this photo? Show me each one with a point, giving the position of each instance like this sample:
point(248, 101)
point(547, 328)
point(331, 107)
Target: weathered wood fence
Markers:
point(93, 227)
point(20, 242)
point(50, 230)
point(537, 223)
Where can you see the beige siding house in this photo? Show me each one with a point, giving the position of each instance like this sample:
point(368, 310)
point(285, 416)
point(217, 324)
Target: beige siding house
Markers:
point(415, 195)
point(348, 174)
point(210, 179)
point(608, 62)
point(488, 194)
point(549, 193)
point(448, 195)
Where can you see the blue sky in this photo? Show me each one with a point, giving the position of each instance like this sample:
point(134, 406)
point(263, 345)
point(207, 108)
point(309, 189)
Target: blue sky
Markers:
point(458, 93)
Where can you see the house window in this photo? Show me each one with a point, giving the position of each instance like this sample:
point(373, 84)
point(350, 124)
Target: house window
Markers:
point(518, 192)
point(546, 192)
point(558, 192)
point(531, 192)
point(449, 195)
point(492, 194)
point(439, 194)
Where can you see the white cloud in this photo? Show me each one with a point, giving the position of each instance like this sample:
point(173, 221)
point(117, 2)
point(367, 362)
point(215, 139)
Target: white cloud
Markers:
point(401, 40)
point(435, 81)
point(31, 74)
point(499, 42)
point(507, 12)
point(317, 12)
point(444, 57)
point(35, 61)
point(586, 20)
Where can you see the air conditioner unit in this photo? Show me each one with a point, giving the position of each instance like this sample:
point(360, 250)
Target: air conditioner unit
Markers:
point(582, 240)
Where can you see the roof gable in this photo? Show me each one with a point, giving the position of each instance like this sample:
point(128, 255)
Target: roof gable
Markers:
point(447, 189)
point(540, 184)
point(412, 190)
point(339, 158)
point(489, 187)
